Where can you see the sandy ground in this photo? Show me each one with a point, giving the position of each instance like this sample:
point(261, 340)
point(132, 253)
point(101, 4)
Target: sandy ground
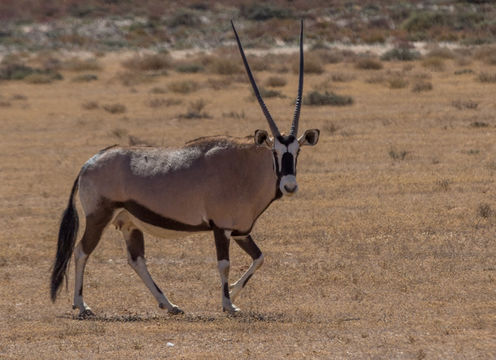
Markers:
point(388, 250)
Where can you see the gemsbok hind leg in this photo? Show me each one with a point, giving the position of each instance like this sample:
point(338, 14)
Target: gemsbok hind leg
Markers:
point(222, 240)
point(248, 245)
point(95, 224)
point(136, 259)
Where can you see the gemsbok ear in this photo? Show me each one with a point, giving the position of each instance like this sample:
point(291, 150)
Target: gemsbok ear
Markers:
point(262, 137)
point(310, 137)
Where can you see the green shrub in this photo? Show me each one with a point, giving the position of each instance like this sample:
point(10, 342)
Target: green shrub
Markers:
point(327, 98)
point(400, 54)
point(265, 11)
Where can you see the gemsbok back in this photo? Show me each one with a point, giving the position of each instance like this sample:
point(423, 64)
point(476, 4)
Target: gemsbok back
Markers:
point(220, 184)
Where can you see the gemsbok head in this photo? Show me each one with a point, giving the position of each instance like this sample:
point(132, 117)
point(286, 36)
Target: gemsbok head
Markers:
point(220, 184)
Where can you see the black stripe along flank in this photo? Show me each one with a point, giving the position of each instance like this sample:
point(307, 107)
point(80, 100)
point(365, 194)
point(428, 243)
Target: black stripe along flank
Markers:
point(146, 215)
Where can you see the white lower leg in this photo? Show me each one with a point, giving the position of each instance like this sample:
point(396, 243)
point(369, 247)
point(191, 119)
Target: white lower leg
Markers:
point(240, 284)
point(227, 305)
point(80, 260)
point(141, 269)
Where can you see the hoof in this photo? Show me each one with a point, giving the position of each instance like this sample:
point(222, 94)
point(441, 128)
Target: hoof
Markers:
point(231, 310)
point(175, 311)
point(86, 314)
point(172, 311)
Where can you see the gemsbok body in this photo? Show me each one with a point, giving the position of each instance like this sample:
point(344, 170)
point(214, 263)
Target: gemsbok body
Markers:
point(220, 184)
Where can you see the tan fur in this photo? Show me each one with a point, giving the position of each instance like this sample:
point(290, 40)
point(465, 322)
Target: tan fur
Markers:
point(228, 181)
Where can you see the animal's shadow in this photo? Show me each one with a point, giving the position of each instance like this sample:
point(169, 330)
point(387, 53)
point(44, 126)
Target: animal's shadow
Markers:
point(243, 317)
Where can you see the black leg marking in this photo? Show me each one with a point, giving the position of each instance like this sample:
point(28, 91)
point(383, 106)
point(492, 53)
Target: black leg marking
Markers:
point(226, 290)
point(249, 246)
point(221, 244)
point(248, 278)
point(136, 245)
point(158, 289)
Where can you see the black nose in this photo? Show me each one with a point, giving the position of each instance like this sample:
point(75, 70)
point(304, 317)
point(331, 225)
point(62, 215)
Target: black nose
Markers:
point(290, 189)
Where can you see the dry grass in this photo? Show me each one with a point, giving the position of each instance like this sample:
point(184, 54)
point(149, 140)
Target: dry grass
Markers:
point(373, 258)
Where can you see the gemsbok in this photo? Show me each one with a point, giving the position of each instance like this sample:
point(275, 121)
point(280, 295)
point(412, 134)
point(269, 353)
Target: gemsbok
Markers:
point(220, 184)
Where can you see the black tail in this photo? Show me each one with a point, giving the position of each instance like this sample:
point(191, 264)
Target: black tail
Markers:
point(65, 246)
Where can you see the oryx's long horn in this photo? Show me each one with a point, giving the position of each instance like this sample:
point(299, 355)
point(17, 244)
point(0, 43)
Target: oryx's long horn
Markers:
point(272, 124)
point(296, 118)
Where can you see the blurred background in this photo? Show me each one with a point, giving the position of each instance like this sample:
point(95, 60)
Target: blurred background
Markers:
point(116, 24)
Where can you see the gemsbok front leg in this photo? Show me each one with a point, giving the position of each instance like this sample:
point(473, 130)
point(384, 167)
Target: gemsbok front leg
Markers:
point(248, 245)
point(222, 240)
point(136, 259)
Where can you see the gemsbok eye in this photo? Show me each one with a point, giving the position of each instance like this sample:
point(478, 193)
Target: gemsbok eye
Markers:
point(220, 184)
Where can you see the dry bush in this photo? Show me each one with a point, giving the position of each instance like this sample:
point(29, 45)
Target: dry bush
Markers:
point(163, 102)
point(189, 67)
point(77, 64)
point(479, 124)
point(342, 77)
point(183, 87)
point(158, 90)
point(132, 78)
point(275, 81)
point(114, 108)
point(90, 105)
point(368, 63)
point(486, 77)
point(484, 210)
point(234, 115)
point(421, 86)
point(195, 110)
point(219, 84)
point(434, 63)
point(85, 78)
point(464, 104)
point(487, 54)
point(397, 154)
point(330, 127)
point(463, 60)
point(148, 62)
point(397, 82)
point(376, 79)
point(422, 75)
point(221, 64)
point(441, 52)
point(443, 184)
point(312, 65)
point(329, 56)
point(317, 98)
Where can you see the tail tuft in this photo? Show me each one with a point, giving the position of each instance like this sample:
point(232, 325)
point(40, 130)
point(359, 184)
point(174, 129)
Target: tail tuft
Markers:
point(65, 245)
